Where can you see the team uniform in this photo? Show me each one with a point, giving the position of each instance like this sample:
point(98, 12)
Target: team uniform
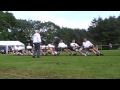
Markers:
point(18, 50)
point(29, 48)
point(87, 45)
point(62, 45)
point(42, 48)
point(76, 47)
point(90, 47)
point(51, 50)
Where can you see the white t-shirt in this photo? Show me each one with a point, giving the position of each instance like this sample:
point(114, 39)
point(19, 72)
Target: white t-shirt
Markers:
point(62, 45)
point(46, 47)
point(51, 46)
point(87, 44)
point(74, 45)
point(21, 48)
point(18, 48)
point(29, 47)
point(42, 46)
point(36, 38)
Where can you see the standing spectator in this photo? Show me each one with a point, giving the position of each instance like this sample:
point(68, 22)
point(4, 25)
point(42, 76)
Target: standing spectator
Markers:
point(36, 43)
point(110, 46)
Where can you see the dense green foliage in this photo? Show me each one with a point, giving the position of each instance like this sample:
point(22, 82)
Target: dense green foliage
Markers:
point(100, 32)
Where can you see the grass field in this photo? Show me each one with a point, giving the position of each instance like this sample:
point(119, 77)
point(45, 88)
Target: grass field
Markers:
point(61, 67)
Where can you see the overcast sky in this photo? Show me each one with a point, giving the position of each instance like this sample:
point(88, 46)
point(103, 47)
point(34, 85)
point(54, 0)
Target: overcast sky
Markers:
point(70, 19)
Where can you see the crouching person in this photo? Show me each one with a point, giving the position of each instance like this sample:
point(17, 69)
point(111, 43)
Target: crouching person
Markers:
point(63, 46)
point(51, 49)
point(77, 48)
point(43, 49)
point(29, 49)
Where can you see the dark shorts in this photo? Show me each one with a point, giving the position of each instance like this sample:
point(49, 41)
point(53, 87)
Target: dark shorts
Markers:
point(29, 49)
point(89, 49)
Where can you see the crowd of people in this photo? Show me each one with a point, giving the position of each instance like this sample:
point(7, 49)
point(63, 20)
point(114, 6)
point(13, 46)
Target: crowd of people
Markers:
point(39, 49)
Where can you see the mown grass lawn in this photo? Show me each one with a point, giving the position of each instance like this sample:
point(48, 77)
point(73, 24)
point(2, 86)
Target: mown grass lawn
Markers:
point(61, 67)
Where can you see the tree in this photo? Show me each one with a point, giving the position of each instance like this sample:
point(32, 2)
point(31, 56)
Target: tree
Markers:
point(7, 23)
point(106, 31)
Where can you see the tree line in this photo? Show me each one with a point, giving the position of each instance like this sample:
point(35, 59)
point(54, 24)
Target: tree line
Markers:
point(100, 31)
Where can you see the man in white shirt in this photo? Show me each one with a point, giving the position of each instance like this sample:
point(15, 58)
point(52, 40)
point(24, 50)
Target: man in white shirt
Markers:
point(36, 43)
point(88, 45)
point(77, 48)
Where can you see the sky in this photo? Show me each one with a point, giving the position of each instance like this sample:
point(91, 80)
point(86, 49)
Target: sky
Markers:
point(70, 19)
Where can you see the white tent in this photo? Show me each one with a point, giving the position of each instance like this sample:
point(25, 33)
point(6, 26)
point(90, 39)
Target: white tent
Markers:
point(11, 43)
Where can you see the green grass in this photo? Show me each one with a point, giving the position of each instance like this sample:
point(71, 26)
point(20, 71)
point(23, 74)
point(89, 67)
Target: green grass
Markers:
point(61, 67)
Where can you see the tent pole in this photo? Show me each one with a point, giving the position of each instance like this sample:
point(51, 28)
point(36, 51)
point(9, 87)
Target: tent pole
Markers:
point(7, 49)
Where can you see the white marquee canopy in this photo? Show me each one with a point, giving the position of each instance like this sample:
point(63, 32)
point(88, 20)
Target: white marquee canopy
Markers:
point(11, 43)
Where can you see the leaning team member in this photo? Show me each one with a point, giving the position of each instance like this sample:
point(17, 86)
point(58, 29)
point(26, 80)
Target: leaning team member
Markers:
point(77, 48)
point(29, 49)
point(51, 49)
point(64, 46)
point(89, 46)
